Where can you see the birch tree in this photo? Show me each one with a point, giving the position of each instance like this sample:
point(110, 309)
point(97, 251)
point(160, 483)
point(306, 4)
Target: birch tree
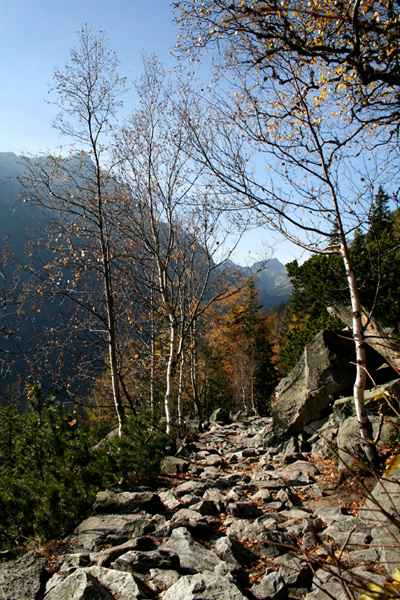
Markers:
point(285, 140)
point(167, 217)
point(80, 193)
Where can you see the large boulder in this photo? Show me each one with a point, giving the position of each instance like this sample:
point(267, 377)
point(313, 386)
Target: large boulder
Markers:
point(79, 586)
point(136, 561)
point(94, 582)
point(112, 502)
point(173, 465)
point(350, 446)
point(23, 578)
point(324, 371)
point(193, 556)
point(97, 531)
point(208, 586)
point(381, 510)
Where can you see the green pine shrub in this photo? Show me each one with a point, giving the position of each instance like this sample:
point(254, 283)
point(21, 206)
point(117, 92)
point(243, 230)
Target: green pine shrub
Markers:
point(51, 469)
point(137, 454)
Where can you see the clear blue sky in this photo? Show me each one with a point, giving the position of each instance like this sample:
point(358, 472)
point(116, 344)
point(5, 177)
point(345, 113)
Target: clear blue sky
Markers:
point(37, 35)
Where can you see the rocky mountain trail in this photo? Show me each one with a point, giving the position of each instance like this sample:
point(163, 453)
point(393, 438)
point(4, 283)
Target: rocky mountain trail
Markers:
point(233, 515)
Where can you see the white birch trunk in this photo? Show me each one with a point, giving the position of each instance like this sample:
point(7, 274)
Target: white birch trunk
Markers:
point(121, 417)
point(152, 356)
point(361, 373)
point(112, 352)
point(170, 409)
point(180, 391)
point(109, 300)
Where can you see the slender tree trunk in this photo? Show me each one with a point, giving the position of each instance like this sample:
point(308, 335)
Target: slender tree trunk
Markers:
point(357, 325)
point(193, 375)
point(252, 370)
point(152, 356)
point(253, 406)
point(112, 342)
point(179, 397)
point(361, 373)
point(170, 409)
point(108, 291)
point(112, 351)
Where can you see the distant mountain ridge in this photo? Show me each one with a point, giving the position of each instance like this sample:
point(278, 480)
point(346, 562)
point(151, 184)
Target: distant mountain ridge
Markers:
point(271, 279)
point(273, 282)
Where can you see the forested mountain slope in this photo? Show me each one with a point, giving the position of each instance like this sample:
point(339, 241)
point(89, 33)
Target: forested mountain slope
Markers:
point(30, 311)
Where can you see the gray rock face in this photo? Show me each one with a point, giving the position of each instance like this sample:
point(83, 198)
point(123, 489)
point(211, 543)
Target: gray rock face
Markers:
point(195, 521)
point(350, 531)
point(207, 587)
point(323, 370)
point(333, 586)
point(109, 555)
point(381, 511)
point(93, 532)
point(342, 585)
point(245, 510)
point(94, 582)
point(272, 586)
point(386, 539)
point(174, 464)
point(300, 466)
point(234, 552)
point(242, 529)
point(162, 579)
point(207, 508)
point(144, 524)
point(122, 586)
point(169, 500)
point(190, 487)
point(22, 578)
point(79, 586)
point(111, 502)
point(294, 570)
point(349, 441)
point(192, 555)
point(136, 561)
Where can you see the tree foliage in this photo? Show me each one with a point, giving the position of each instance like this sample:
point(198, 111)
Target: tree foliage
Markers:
point(353, 46)
point(49, 474)
point(306, 312)
point(51, 468)
point(320, 282)
point(240, 338)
